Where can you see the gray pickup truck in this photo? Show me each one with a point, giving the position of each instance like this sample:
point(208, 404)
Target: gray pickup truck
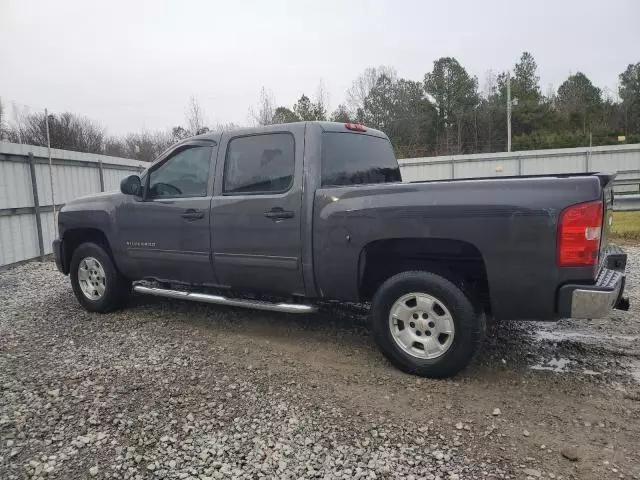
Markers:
point(286, 217)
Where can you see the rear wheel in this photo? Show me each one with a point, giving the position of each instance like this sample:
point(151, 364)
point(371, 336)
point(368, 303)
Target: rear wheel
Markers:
point(425, 324)
point(96, 282)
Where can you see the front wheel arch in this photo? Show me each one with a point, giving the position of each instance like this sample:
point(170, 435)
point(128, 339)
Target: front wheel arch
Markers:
point(116, 286)
point(75, 237)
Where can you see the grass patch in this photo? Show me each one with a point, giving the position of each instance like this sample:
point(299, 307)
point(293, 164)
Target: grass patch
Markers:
point(626, 225)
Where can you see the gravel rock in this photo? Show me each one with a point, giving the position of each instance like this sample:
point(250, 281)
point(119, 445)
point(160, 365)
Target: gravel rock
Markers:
point(162, 389)
point(571, 453)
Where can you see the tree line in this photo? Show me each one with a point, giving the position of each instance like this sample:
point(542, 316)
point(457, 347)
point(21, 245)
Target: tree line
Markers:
point(69, 131)
point(446, 112)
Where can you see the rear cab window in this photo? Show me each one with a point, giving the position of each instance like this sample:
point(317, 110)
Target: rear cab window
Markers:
point(354, 158)
point(259, 164)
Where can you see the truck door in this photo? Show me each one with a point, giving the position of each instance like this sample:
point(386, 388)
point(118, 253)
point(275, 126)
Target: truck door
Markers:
point(256, 211)
point(166, 232)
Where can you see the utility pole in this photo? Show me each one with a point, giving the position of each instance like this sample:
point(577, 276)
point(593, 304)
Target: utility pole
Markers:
point(53, 202)
point(508, 111)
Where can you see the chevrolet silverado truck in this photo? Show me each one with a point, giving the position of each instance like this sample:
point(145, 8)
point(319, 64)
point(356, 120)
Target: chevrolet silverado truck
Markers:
point(286, 217)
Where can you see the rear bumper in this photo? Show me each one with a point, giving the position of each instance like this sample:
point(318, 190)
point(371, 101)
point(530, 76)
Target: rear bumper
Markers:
point(58, 255)
point(598, 299)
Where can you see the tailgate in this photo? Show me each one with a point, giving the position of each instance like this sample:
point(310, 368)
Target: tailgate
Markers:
point(610, 255)
point(607, 213)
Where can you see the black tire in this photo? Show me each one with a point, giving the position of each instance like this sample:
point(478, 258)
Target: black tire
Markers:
point(469, 325)
point(117, 287)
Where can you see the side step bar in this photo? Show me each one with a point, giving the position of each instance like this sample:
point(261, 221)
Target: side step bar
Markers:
point(220, 300)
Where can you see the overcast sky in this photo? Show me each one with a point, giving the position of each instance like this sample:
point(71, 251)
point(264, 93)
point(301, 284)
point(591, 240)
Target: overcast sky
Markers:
point(134, 64)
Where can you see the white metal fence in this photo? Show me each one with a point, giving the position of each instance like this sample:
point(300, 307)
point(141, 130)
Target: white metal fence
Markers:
point(621, 159)
point(614, 158)
point(26, 213)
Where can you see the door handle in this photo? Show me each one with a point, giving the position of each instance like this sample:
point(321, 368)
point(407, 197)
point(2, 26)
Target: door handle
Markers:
point(278, 213)
point(192, 214)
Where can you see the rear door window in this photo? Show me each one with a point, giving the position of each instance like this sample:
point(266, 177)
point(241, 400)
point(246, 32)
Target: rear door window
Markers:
point(352, 158)
point(259, 164)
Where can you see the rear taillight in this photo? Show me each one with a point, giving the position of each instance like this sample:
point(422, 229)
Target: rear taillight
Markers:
point(356, 127)
point(579, 229)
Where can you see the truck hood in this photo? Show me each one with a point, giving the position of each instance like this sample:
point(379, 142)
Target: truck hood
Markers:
point(113, 198)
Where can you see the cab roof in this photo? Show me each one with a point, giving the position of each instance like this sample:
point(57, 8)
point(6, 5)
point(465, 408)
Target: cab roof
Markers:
point(325, 126)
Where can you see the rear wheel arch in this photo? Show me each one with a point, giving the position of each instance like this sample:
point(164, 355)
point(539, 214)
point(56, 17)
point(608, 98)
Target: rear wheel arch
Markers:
point(458, 261)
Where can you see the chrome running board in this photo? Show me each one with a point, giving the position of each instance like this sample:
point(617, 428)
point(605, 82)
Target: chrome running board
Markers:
point(220, 300)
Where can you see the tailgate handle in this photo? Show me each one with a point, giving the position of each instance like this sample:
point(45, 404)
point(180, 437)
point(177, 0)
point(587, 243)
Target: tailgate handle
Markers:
point(278, 213)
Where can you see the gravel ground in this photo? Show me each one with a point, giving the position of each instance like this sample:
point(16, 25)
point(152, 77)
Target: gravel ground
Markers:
point(169, 389)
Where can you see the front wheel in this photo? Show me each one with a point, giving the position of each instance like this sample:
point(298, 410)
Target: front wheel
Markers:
point(425, 324)
point(97, 283)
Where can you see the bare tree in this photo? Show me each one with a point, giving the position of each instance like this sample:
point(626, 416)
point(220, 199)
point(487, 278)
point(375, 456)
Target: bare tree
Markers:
point(115, 147)
point(490, 84)
point(67, 131)
point(362, 85)
point(2, 121)
point(263, 113)
point(18, 114)
point(225, 127)
point(195, 118)
point(145, 146)
point(341, 114)
point(322, 101)
point(179, 133)
point(551, 94)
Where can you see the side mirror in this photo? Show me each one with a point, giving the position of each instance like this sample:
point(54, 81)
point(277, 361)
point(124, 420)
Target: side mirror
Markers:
point(131, 185)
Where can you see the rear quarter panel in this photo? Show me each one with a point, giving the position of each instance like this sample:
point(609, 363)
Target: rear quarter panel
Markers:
point(512, 222)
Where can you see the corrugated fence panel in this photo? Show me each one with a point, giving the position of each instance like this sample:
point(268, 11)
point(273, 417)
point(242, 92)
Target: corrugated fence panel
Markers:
point(611, 158)
point(15, 185)
point(49, 234)
point(112, 178)
point(425, 170)
point(18, 238)
point(74, 174)
point(69, 182)
point(604, 161)
point(486, 168)
point(540, 165)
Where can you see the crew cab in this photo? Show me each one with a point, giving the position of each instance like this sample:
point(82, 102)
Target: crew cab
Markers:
point(284, 217)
